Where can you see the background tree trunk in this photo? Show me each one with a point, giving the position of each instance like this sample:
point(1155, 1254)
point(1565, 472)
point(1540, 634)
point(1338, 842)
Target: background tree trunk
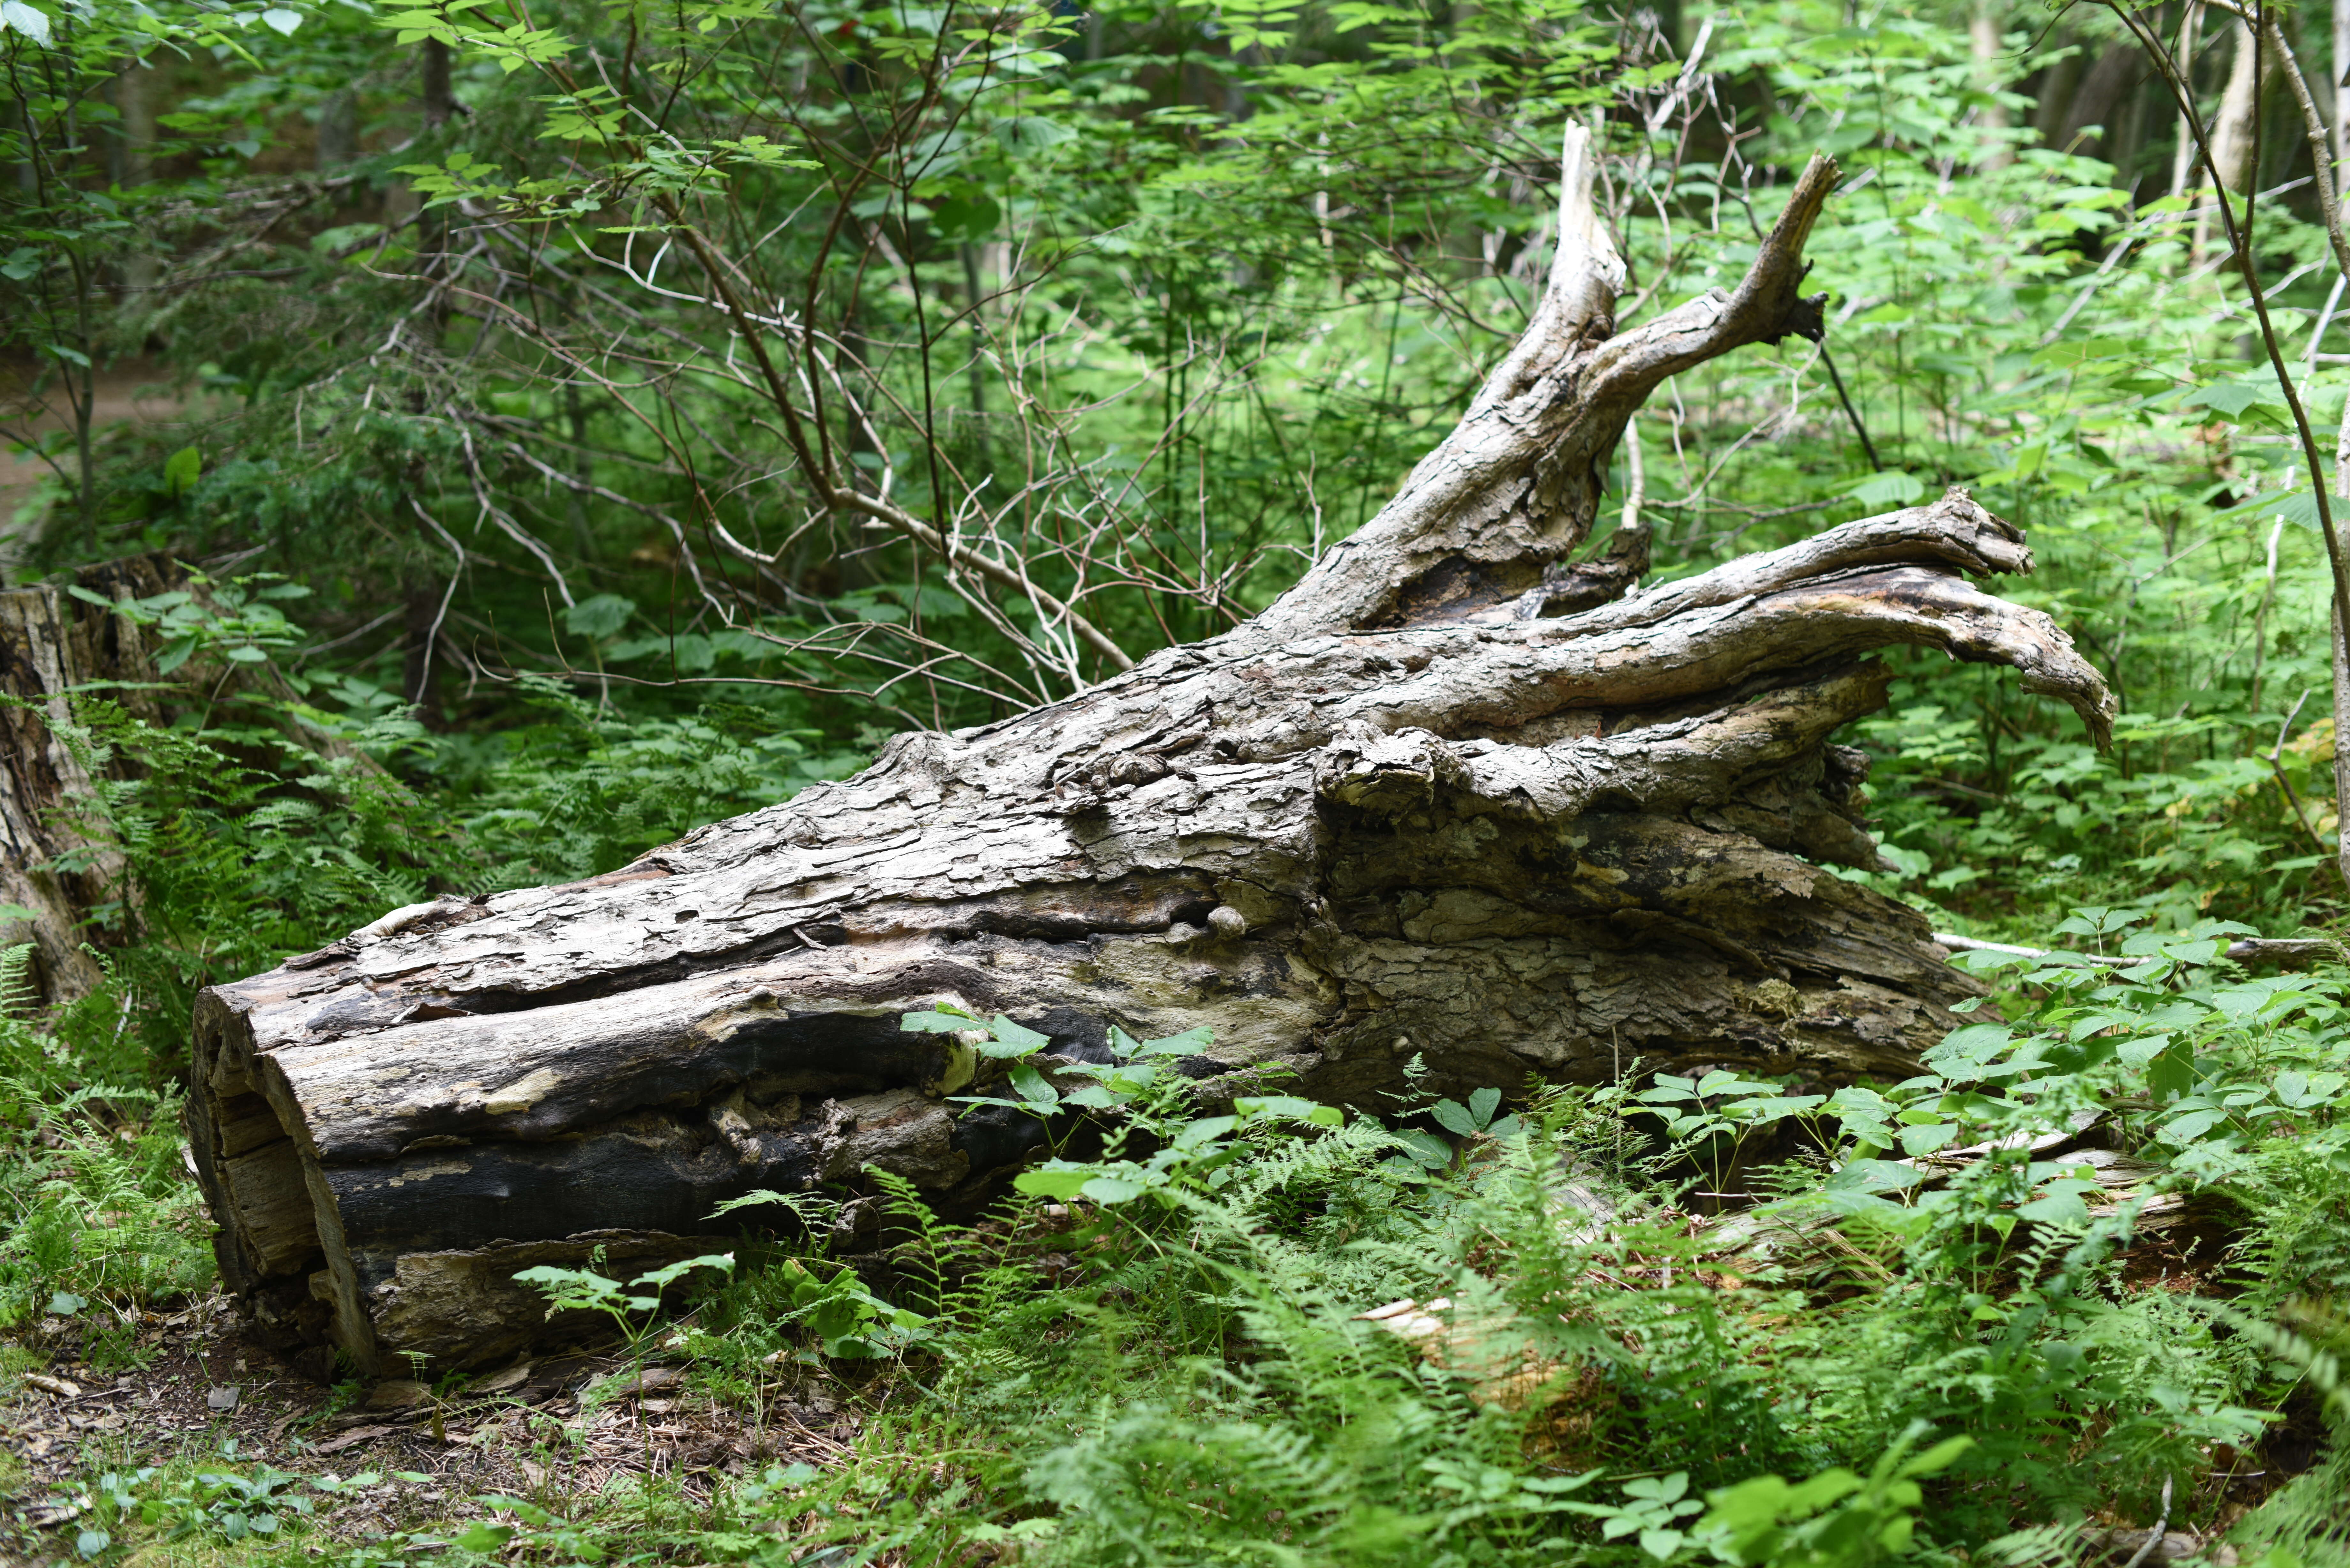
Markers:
point(51, 643)
point(2341, 81)
point(38, 776)
point(1984, 43)
point(54, 643)
point(2104, 92)
point(1410, 812)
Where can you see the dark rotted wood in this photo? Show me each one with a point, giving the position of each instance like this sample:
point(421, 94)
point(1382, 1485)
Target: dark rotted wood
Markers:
point(1406, 815)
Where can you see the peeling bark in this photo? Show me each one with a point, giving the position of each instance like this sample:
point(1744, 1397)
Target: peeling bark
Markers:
point(1410, 811)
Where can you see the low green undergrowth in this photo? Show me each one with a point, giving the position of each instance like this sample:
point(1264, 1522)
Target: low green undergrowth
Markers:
point(268, 823)
point(98, 1205)
point(2081, 1274)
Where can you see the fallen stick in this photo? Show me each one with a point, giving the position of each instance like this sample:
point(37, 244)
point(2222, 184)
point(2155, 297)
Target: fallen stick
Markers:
point(2285, 952)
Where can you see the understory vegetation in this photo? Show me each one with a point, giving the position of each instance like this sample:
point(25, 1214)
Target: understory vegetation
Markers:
point(1109, 322)
point(2080, 1274)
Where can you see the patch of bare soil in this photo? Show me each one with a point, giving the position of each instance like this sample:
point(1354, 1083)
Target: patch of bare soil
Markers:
point(556, 1432)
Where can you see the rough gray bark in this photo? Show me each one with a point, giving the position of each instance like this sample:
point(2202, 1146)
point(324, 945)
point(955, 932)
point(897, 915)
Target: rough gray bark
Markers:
point(1406, 812)
point(38, 774)
point(56, 647)
point(52, 643)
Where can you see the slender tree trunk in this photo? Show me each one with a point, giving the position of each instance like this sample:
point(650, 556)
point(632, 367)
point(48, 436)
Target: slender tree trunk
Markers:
point(422, 623)
point(2054, 98)
point(969, 255)
point(433, 91)
point(1984, 42)
point(2184, 164)
point(2232, 140)
point(1410, 819)
point(134, 101)
point(2232, 127)
point(339, 130)
point(2342, 676)
point(2100, 96)
point(438, 103)
point(134, 137)
point(2341, 85)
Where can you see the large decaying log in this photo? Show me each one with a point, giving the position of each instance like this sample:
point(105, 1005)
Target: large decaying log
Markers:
point(1408, 812)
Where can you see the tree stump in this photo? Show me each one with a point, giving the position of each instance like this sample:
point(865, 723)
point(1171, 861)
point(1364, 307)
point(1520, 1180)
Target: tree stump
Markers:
point(57, 645)
point(1411, 810)
point(55, 642)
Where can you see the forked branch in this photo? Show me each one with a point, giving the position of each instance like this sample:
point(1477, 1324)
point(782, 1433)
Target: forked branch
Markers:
point(1515, 487)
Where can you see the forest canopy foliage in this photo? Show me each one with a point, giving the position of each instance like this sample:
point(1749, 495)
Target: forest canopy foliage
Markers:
point(600, 420)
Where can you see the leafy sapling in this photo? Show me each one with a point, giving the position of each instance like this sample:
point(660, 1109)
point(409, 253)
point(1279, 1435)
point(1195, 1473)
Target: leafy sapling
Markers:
point(584, 1289)
point(1121, 1085)
point(1478, 1119)
point(998, 1039)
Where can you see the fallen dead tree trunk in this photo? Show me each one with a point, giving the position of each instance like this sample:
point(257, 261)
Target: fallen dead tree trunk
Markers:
point(1408, 812)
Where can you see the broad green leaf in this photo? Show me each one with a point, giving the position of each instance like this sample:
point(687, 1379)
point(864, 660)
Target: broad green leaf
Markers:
point(1190, 1043)
point(181, 471)
point(945, 1019)
point(15, 17)
point(1010, 1039)
point(1928, 1139)
point(1062, 1181)
point(1426, 1148)
point(599, 617)
point(1113, 1190)
point(1031, 1085)
point(1453, 1117)
point(1874, 1176)
point(1892, 488)
point(2184, 1130)
point(2230, 399)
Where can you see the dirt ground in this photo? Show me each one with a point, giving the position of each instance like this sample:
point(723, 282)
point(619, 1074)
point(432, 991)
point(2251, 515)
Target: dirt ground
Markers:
point(200, 1383)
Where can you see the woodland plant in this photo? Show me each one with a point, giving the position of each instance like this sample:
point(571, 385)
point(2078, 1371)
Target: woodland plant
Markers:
point(99, 1214)
point(1917, 1342)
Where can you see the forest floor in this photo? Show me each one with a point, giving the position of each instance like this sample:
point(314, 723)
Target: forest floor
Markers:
point(172, 1392)
point(196, 1387)
point(2113, 1314)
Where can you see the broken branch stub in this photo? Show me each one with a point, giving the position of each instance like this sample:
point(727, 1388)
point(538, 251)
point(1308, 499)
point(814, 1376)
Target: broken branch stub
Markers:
point(1401, 815)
